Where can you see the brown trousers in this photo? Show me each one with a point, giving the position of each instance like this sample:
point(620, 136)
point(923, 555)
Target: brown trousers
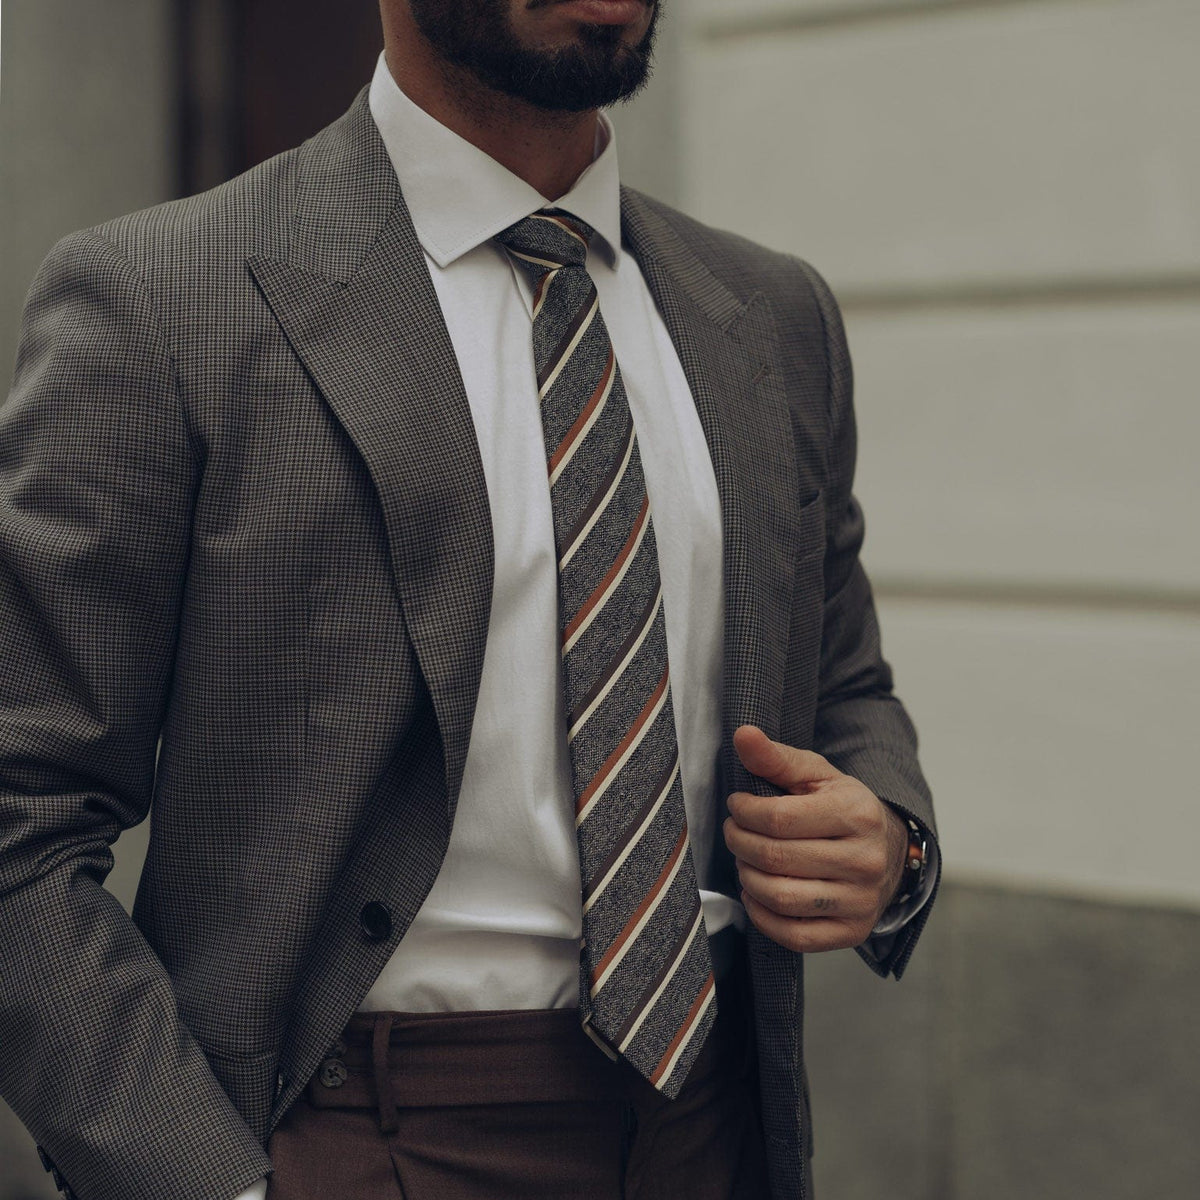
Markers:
point(519, 1106)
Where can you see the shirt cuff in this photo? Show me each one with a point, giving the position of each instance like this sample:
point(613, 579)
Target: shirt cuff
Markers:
point(895, 918)
point(256, 1191)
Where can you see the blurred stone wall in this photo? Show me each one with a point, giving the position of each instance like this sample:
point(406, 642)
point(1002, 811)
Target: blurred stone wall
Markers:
point(1005, 196)
point(87, 128)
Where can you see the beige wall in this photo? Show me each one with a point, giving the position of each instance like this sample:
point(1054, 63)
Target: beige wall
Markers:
point(86, 128)
point(1006, 197)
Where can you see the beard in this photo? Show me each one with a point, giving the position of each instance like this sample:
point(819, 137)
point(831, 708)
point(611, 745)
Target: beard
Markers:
point(477, 36)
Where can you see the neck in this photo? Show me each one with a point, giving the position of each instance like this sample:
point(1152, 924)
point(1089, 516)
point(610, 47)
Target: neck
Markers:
point(549, 150)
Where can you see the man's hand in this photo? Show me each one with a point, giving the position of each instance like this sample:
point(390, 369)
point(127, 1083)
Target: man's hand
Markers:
point(820, 864)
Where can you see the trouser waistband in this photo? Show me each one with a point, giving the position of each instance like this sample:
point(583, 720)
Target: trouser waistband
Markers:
point(396, 1060)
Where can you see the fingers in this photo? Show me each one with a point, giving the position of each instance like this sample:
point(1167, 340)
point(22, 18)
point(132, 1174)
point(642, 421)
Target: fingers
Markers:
point(847, 860)
point(786, 767)
point(824, 898)
point(806, 936)
point(827, 814)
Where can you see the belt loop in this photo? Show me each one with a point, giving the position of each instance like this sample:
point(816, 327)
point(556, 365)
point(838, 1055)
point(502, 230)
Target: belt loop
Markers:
point(629, 1129)
point(380, 1038)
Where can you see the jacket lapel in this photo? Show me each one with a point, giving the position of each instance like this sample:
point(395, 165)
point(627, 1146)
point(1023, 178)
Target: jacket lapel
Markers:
point(729, 352)
point(359, 309)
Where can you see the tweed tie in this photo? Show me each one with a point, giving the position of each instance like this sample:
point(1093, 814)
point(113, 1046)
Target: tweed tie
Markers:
point(646, 981)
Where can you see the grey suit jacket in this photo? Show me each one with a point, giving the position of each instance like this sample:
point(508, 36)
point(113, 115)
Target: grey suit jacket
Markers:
point(245, 571)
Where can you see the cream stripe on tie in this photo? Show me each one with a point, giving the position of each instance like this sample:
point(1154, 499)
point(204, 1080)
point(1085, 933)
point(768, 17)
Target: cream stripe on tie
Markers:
point(646, 977)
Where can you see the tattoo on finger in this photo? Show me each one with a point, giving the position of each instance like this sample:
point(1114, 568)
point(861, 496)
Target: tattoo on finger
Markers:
point(824, 904)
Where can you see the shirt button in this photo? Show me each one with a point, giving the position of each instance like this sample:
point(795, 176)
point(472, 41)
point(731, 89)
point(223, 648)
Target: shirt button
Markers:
point(333, 1073)
point(376, 921)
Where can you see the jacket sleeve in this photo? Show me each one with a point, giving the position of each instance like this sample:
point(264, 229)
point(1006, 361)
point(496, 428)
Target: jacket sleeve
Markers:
point(97, 479)
point(861, 727)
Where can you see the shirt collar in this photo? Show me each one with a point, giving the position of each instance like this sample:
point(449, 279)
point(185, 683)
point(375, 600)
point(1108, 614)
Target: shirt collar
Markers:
point(459, 197)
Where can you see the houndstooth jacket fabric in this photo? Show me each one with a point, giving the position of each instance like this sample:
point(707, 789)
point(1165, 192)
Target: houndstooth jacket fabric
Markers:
point(245, 572)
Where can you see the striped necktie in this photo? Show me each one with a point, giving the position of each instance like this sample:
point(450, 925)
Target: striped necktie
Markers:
point(646, 981)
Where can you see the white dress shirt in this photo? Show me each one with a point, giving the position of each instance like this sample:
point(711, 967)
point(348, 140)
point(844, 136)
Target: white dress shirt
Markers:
point(500, 928)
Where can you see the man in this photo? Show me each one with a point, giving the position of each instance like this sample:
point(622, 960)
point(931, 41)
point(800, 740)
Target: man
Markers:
point(352, 512)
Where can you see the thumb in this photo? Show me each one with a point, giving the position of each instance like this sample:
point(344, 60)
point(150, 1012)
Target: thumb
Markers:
point(785, 766)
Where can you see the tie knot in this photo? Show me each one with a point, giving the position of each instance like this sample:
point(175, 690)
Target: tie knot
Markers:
point(547, 240)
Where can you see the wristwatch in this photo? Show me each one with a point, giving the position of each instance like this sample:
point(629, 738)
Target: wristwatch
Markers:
point(916, 863)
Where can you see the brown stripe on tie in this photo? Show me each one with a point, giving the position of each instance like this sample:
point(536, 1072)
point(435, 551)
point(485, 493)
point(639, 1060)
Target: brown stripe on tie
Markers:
point(673, 961)
point(635, 822)
point(615, 948)
point(645, 617)
point(577, 322)
point(586, 607)
point(602, 490)
point(598, 780)
point(570, 227)
point(580, 421)
point(685, 1029)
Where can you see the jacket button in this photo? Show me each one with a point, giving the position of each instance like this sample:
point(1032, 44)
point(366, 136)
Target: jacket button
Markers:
point(376, 921)
point(333, 1073)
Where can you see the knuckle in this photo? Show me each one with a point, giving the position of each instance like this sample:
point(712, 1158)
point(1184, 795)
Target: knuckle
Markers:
point(866, 818)
point(775, 857)
point(874, 861)
point(786, 898)
point(777, 821)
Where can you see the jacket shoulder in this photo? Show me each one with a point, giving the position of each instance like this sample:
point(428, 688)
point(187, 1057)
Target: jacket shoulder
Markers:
point(743, 265)
point(800, 299)
point(249, 214)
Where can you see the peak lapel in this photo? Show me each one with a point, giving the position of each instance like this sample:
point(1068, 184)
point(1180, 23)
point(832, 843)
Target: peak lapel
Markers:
point(729, 351)
point(359, 309)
